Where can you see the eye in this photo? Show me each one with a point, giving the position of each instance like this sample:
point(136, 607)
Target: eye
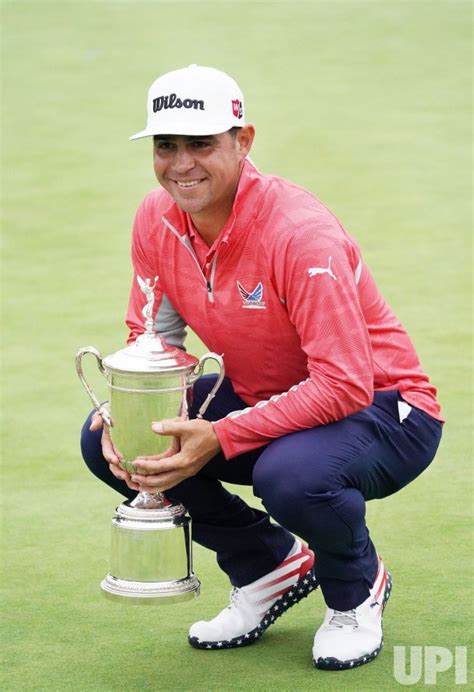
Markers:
point(163, 146)
point(200, 144)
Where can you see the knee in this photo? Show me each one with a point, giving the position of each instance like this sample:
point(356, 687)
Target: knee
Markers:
point(91, 447)
point(278, 487)
point(201, 389)
point(291, 475)
point(224, 401)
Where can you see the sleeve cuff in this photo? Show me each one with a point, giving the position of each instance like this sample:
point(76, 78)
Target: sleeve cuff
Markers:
point(224, 439)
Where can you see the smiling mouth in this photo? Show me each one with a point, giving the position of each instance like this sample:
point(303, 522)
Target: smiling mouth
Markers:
point(189, 183)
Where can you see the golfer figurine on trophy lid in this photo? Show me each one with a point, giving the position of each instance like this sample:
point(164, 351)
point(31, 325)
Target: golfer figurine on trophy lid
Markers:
point(151, 550)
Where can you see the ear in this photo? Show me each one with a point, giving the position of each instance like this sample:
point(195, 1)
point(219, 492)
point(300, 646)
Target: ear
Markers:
point(244, 139)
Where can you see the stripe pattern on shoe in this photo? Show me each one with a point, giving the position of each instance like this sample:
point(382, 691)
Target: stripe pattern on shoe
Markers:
point(264, 592)
point(272, 595)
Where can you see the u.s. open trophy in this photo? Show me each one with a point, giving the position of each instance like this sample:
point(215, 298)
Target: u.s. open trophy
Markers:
point(151, 549)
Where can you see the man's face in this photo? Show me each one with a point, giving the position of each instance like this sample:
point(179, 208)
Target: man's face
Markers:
point(201, 173)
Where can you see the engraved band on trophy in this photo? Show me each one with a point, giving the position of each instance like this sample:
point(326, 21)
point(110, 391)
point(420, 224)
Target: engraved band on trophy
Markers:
point(151, 548)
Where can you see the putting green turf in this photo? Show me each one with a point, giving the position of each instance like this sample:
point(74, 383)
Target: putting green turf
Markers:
point(365, 103)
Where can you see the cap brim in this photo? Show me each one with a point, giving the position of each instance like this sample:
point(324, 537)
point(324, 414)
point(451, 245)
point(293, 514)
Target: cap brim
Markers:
point(188, 131)
point(139, 135)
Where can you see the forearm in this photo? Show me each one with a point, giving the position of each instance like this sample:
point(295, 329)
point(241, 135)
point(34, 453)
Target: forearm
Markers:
point(313, 402)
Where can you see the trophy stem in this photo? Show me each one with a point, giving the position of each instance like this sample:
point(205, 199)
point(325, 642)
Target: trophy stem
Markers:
point(146, 500)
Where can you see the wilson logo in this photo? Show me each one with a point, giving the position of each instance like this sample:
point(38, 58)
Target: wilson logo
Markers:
point(237, 109)
point(172, 101)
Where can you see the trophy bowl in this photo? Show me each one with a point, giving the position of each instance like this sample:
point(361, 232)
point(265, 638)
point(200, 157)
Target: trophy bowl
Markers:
point(151, 541)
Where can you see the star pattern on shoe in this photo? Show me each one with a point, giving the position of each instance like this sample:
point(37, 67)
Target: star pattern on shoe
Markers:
point(277, 609)
point(342, 620)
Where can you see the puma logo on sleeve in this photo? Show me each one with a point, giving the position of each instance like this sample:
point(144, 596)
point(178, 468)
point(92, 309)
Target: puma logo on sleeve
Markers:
point(322, 270)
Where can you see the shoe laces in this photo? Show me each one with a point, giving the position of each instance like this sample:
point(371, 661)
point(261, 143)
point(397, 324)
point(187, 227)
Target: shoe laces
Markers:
point(342, 619)
point(235, 597)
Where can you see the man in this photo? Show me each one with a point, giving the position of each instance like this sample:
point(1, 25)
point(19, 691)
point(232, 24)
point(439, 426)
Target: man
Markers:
point(325, 405)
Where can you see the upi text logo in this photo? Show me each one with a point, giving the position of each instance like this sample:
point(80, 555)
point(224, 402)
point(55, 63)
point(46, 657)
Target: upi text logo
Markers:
point(408, 670)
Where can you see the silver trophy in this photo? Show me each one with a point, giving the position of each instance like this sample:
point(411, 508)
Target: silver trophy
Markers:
point(151, 549)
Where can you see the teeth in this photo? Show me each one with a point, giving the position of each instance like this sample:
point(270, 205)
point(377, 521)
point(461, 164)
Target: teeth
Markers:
point(192, 183)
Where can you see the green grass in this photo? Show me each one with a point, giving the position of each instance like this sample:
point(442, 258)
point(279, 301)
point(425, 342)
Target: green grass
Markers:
point(365, 103)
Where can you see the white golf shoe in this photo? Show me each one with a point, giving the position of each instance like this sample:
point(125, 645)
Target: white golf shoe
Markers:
point(256, 606)
point(354, 637)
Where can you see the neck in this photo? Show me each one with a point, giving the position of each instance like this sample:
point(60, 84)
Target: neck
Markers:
point(210, 225)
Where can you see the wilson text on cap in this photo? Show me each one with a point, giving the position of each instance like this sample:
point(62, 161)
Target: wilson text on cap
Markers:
point(172, 101)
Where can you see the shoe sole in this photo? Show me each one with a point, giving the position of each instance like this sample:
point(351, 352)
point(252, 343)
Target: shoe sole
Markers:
point(294, 595)
point(336, 664)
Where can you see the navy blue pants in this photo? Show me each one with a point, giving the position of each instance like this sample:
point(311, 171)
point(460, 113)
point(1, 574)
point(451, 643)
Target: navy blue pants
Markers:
point(314, 483)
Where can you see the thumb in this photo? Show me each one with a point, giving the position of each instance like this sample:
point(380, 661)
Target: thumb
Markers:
point(169, 427)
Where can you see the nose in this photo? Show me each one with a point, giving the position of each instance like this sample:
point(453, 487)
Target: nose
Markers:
point(183, 160)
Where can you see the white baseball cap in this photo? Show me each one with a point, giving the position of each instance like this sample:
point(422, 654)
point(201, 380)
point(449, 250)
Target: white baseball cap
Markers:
point(195, 100)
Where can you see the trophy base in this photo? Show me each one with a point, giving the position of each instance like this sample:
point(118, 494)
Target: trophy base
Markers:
point(150, 593)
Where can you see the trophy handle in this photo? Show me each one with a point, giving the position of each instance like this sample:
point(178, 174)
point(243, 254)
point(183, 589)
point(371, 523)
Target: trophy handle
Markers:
point(200, 369)
point(102, 410)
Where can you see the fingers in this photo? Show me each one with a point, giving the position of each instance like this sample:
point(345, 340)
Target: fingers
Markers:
point(171, 451)
point(153, 484)
point(172, 426)
point(96, 422)
point(135, 486)
point(98, 417)
point(119, 473)
point(123, 476)
point(111, 455)
point(148, 466)
point(159, 475)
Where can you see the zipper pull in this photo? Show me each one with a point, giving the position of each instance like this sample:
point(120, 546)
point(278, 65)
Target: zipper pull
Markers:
point(210, 294)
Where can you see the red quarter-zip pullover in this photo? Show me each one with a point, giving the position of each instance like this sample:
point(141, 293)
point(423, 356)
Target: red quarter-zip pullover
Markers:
point(285, 296)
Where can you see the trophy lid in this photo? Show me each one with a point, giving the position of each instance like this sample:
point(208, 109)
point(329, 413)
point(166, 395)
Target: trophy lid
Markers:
point(150, 353)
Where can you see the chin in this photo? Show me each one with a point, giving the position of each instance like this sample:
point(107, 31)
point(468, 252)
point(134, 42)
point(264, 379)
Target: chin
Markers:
point(189, 205)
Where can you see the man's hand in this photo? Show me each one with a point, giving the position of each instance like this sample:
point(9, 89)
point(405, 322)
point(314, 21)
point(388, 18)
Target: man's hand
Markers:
point(112, 455)
point(194, 444)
